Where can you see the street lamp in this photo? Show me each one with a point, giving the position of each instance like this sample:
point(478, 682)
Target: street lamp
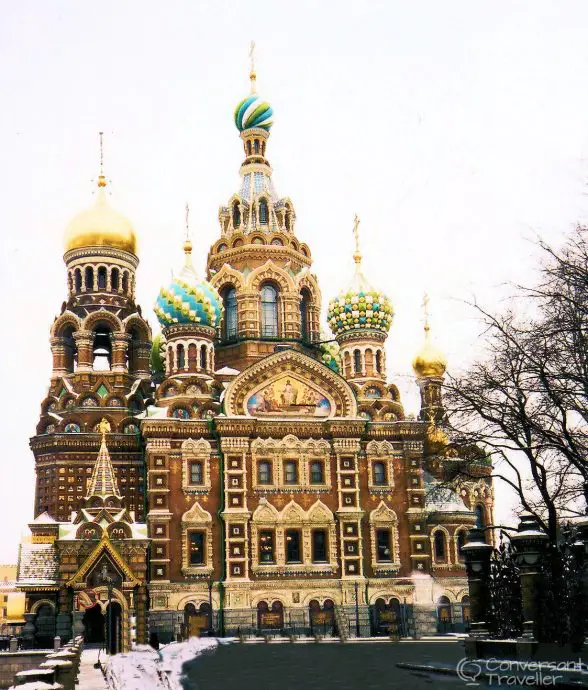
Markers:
point(108, 580)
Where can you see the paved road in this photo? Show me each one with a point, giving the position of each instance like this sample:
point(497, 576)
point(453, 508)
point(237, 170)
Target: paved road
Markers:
point(334, 666)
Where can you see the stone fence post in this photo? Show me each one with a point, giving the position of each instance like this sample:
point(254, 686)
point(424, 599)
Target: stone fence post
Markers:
point(529, 543)
point(477, 557)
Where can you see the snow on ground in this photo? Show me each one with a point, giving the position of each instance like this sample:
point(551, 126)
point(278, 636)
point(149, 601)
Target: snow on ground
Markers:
point(146, 669)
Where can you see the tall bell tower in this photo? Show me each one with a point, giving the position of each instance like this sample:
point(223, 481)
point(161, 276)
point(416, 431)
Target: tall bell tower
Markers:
point(259, 267)
point(100, 344)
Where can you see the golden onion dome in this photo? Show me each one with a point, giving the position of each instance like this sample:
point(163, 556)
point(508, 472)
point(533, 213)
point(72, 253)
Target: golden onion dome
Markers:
point(429, 362)
point(101, 226)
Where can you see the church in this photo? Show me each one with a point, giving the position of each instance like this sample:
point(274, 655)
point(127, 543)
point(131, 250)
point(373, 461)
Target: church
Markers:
point(243, 471)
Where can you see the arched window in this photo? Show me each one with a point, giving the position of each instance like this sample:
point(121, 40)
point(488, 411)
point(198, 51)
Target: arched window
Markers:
point(460, 543)
point(236, 215)
point(480, 518)
point(203, 364)
point(89, 278)
point(305, 315)
point(439, 546)
point(356, 362)
point(114, 279)
point(181, 357)
point(71, 352)
point(256, 146)
point(288, 218)
point(230, 319)
point(125, 282)
point(249, 147)
point(263, 212)
point(444, 614)
point(102, 278)
point(263, 148)
point(379, 473)
point(78, 280)
point(379, 362)
point(269, 312)
point(317, 472)
point(102, 349)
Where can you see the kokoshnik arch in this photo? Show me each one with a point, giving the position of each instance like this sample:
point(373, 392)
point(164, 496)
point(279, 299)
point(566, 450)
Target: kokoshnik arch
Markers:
point(240, 472)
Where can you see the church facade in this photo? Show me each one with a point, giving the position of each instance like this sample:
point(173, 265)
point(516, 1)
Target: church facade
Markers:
point(242, 472)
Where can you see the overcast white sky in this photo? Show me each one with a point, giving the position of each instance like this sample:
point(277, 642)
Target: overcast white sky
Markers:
point(456, 130)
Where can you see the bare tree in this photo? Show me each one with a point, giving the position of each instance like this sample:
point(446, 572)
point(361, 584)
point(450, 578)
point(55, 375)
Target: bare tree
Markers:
point(526, 399)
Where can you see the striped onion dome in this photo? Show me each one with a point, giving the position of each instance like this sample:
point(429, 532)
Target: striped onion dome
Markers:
point(253, 112)
point(188, 300)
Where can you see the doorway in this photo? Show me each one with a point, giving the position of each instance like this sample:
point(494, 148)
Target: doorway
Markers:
point(93, 621)
point(114, 628)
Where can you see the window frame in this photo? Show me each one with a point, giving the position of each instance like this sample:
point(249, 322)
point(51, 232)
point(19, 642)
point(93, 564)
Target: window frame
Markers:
point(270, 474)
point(289, 463)
point(269, 311)
point(325, 545)
point(271, 535)
point(298, 534)
point(380, 464)
point(388, 532)
point(193, 464)
point(202, 535)
point(311, 477)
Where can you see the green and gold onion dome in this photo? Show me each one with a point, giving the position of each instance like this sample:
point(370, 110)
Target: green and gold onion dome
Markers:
point(429, 361)
point(252, 112)
point(360, 307)
point(101, 226)
point(188, 300)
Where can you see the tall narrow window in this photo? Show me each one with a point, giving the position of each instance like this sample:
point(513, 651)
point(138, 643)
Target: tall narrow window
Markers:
point(78, 280)
point(114, 279)
point(356, 362)
point(196, 548)
point(264, 472)
point(125, 282)
point(249, 147)
point(236, 215)
point(379, 473)
point(317, 474)
point(480, 518)
point(460, 543)
point(291, 472)
point(269, 311)
point(196, 473)
point(181, 357)
point(383, 545)
point(379, 362)
point(288, 218)
point(263, 212)
point(230, 318)
point(203, 364)
point(89, 278)
point(256, 146)
point(305, 315)
point(439, 546)
point(292, 546)
point(102, 278)
point(319, 546)
point(266, 546)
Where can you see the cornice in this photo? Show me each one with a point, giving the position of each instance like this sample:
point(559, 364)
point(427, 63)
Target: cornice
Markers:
point(100, 253)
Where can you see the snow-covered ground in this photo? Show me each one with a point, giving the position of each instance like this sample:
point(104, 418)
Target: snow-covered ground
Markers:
point(146, 669)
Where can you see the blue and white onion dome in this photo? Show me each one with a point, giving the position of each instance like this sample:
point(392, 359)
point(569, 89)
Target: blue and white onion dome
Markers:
point(188, 300)
point(253, 112)
point(360, 307)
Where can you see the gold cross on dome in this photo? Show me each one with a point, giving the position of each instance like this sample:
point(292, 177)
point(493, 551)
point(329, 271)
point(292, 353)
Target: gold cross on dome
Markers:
point(357, 253)
point(252, 74)
point(425, 305)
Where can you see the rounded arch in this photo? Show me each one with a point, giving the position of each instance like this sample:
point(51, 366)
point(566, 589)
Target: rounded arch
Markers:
point(227, 276)
point(135, 323)
point(102, 317)
point(42, 602)
point(295, 245)
point(62, 322)
point(304, 249)
point(256, 238)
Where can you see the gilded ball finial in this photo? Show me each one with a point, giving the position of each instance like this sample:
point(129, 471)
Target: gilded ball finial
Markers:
point(429, 361)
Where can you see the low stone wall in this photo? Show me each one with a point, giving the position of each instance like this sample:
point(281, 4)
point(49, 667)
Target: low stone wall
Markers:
point(13, 662)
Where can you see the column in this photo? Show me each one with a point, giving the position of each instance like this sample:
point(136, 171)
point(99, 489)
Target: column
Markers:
point(83, 340)
point(120, 345)
point(477, 557)
point(63, 619)
point(141, 610)
point(529, 543)
point(141, 354)
point(58, 352)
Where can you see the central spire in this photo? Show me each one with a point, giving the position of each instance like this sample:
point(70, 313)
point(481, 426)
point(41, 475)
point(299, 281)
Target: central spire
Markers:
point(252, 74)
point(103, 480)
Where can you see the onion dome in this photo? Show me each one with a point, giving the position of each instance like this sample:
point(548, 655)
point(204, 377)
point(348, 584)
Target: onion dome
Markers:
point(429, 362)
point(253, 112)
point(188, 300)
point(101, 226)
point(360, 307)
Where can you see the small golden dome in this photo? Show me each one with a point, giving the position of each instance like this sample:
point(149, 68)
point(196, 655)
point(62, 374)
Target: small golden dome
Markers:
point(101, 226)
point(429, 361)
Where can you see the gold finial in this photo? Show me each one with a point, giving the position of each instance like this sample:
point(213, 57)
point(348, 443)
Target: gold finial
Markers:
point(104, 427)
point(356, 253)
point(101, 178)
point(252, 74)
point(188, 241)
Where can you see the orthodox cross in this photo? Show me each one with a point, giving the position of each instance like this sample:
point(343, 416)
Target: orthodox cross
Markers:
point(357, 253)
point(426, 301)
point(252, 74)
point(187, 220)
point(101, 135)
